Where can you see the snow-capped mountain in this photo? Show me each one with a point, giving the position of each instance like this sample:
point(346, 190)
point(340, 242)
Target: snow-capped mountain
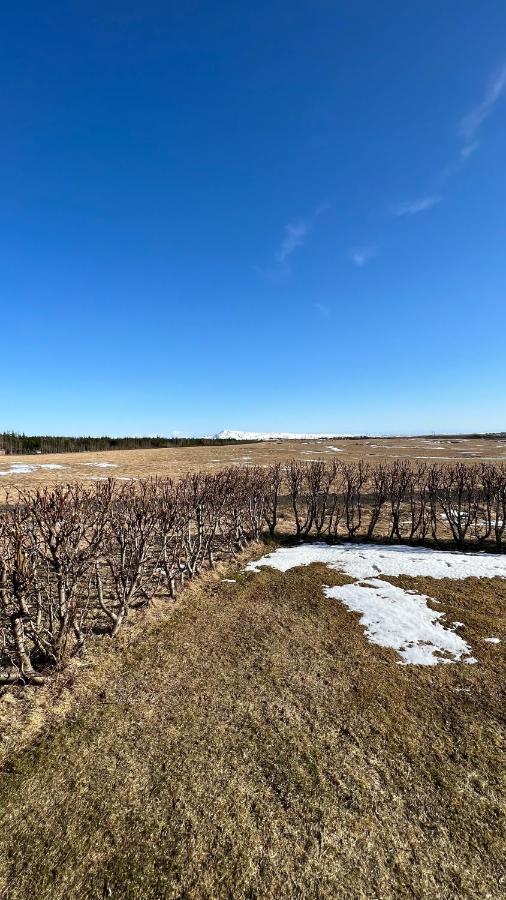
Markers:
point(276, 436)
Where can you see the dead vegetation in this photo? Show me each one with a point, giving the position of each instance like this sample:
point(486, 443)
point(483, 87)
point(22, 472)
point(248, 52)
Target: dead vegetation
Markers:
point(77, 561)
point(243, 739)
point(176, 462)
point(254, 744)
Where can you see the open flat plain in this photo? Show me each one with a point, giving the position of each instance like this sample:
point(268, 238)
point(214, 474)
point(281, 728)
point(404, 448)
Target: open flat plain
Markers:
point(262, 736)
point(30, 471)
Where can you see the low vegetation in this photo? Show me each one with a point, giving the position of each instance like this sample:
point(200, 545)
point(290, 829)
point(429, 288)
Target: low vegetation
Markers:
point(246, 741)
point(77, 561)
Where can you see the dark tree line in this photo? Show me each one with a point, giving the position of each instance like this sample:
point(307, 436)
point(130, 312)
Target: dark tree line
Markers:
point(14, 443)
point(77, 561)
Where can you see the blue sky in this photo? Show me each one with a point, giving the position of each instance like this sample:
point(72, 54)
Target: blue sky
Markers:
point(278, 216)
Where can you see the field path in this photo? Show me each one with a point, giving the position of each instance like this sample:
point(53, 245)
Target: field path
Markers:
point(254, 745)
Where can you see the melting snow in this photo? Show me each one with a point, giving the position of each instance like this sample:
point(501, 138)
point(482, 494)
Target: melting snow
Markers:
point(391, 616)
point(370, 560)
point(406, 624)
point(492, 640)
point(26, 468)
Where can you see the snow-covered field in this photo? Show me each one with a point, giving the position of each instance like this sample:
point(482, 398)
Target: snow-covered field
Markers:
point(391, 616)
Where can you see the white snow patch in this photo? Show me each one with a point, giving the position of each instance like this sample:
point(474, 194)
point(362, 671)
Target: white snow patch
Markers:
point(229, 580)
point(26, 468)
point(392, 616)
point(370, 560)
point(404, 623)
point(436, 457)
point(336, 449)
point(492, 640)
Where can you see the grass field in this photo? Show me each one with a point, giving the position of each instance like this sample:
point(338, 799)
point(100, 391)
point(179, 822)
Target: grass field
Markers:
point(249, 742)
point(27, 472)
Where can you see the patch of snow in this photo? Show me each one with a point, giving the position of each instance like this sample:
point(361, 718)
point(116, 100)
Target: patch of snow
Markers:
point(229, 580)
point(492, 640)
point(404, 623)
point(436, 457)
point(393, 617)
point(336, 449)
point(370, 560)
point(26, 468)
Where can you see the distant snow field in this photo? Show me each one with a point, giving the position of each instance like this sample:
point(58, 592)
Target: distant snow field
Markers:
point(391, 616)
point(275, 436)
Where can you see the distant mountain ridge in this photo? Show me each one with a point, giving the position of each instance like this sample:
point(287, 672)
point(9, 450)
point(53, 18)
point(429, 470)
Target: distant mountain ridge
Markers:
point(276, 436)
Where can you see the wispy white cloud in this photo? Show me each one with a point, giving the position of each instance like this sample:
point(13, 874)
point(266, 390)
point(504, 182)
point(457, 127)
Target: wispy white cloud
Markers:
point(469, 132)
point(322, 310)
point(473, 120)
point(468, 149)
point(471, 124)
point(276, 274)
point(413, 207)
point(360, 256)
point(295, 235)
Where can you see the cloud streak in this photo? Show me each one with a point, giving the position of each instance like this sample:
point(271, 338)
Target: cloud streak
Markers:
point(469, 132)
point(322, 310)
point(473, 120)
point(295, 235)
point(413, 207)
point(360, 256)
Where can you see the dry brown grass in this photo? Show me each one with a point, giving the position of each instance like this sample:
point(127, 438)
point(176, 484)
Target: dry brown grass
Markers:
point(177, 461)
point(253, 744)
